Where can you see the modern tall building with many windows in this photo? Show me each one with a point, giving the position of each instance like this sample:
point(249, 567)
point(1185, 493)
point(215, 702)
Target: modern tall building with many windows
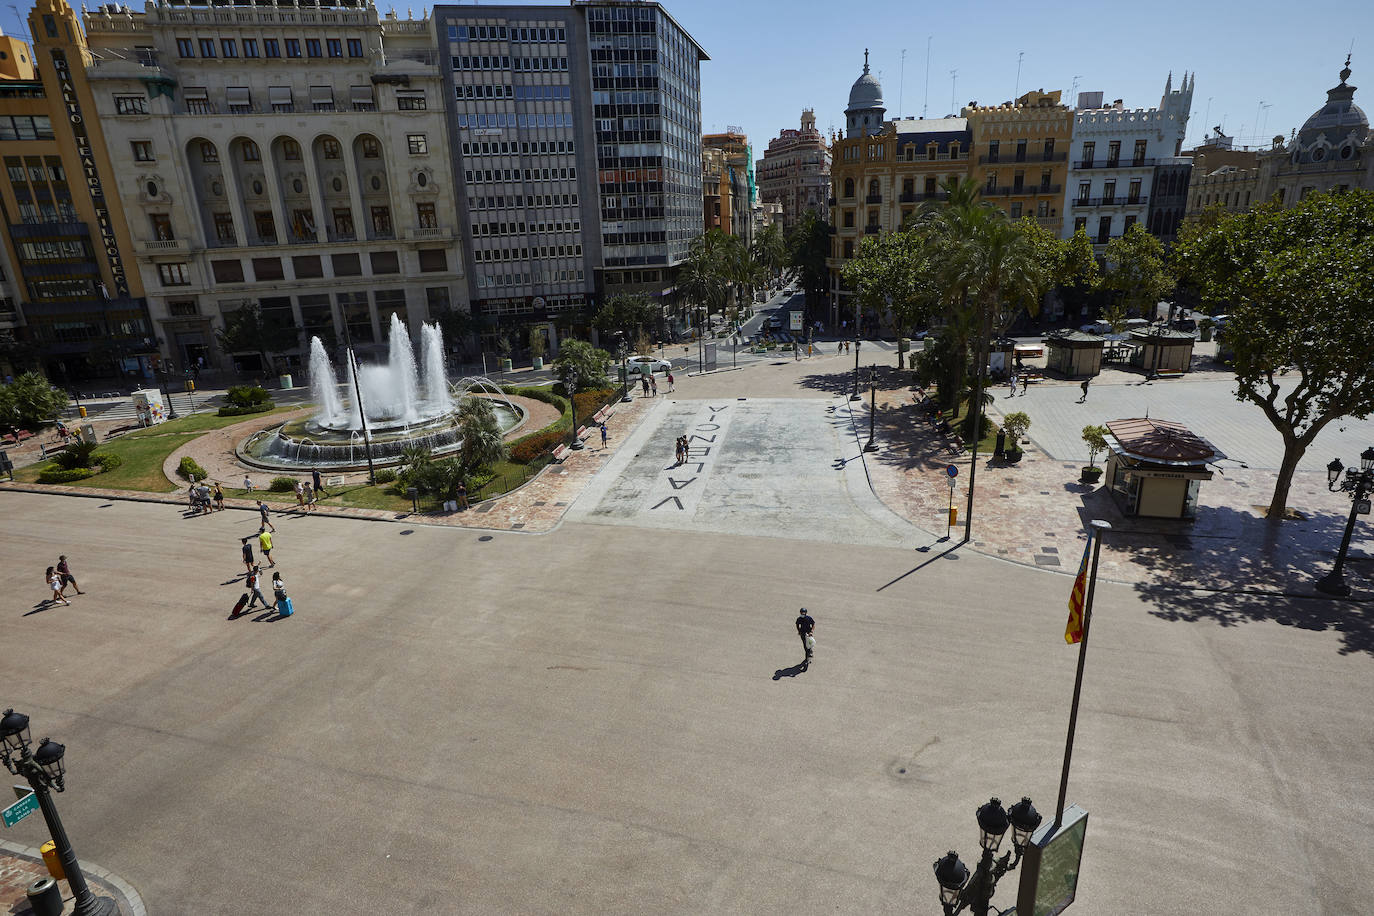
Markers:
point(577, 140)
point(293, 157)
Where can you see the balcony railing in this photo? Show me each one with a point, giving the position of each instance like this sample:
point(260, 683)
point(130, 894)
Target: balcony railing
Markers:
point(911, 197)
point(336, 235)
point(1029, 190)
point(874, 199)
point(1117, 200)
point(428, 232)
point(161, 246)
point(999, 159)
point(1085, 164)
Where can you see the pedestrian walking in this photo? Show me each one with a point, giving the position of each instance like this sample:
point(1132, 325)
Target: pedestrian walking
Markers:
point(1084, 386)
point(317, 481)
point(219, 496)
point(65, 572)
point(670, 382)
point(604, 435)
point(462, 495)
point(806, 625)
point(279, 591)
point(1025, 383)
point(55, 583)
point(247, 554)
point(644, 384)
point(309, 498)
point(248, 483)
point(1011, 383)
point(265, 545)
point(653, 384)
point(300, 495)
point(255, 589)
point(262, 513)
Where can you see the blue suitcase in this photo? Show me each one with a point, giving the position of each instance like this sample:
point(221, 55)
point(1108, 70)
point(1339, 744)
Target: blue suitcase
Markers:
point(284, 607)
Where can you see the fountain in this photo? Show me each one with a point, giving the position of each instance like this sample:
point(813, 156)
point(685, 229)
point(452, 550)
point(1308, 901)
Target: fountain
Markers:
point(405, 405)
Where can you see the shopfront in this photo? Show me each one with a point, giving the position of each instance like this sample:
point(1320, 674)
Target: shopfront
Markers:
point(1156, 467)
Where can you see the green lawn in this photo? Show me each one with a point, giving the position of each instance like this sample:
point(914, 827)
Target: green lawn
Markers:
point(144, 452)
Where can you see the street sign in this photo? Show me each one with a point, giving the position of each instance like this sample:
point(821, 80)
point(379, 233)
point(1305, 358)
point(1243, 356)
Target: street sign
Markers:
point(20, 809)
point(21, 791)
point(1049, 873)
point(952, 471)
point(1362, 507)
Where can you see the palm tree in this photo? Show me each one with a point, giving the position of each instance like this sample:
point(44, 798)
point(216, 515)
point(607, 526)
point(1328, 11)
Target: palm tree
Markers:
point(482, 444)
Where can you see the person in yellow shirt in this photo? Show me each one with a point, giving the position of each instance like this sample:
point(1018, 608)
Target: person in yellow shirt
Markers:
point(265, 545)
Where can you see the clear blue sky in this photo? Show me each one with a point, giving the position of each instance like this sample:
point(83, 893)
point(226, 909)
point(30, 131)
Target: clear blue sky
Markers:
point(771, 58)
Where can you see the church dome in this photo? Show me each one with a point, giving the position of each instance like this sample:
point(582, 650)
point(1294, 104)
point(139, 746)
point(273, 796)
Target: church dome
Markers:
point(1338, 118)
point(866, 92)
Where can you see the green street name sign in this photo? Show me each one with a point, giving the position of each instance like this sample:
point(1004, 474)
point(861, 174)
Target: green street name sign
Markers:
point(20, 809)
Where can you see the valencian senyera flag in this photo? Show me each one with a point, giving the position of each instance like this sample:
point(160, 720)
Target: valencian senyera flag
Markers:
point(1073, 632)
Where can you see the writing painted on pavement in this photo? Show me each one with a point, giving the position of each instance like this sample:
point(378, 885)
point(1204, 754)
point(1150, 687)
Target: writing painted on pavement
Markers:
point(686, 482)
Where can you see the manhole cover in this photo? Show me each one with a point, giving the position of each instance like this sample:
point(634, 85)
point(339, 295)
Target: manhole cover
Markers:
point(485, 537)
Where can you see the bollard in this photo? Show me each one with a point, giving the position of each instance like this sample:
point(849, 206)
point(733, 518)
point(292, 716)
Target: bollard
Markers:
point(45, 898)
point(953, 517)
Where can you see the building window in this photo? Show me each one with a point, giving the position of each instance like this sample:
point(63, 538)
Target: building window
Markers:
point(174, 274)
point(355, 47)
point(330, 147)
point(1104, 230)
point(410, 100)
point(1080, 224)
point(290, 150)
point(208, 153)
point(381, 222)
point(267, 269)
point(343, 224)
point(131, 104)
point(1016, 210)
point(307, 267)
point(1130, 221)
point(1139, 158)
point(849, 187)
point(1133, 191)
point(161, 225)
point(303, 225)
point(371, 149)
point(271, 48)
point(264, 225)
point(1089, 151)
point(425, 217)
point(848, 248)
point(335, 47)
point(207, 47)
point(1113, 152)
point(228, 48)
point(182, 308)
point(250, 47)
point(994, 150)
point(1049, 149)
point(293, 47)
point(251, 153)
point(198, 102)
point(1108, 192)
point(348, 265)
point(186, 47)
point(849, 219)
point(227, 271)
point(433, 260)
point(224, 227)
point(992, 182)
point(385, 262)
point(143, 150)
point(312, 48)
point(1042, 209)
point(279, 97)
point(417, 144)
point(1021, 150)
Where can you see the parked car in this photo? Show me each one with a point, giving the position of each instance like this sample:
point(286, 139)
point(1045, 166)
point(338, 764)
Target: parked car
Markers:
point(774, 322)
point(1096, 327)
point(1185, 324)
point(647, 365)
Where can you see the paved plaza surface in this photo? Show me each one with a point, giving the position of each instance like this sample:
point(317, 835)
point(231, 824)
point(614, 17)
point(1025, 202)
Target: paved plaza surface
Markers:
point(610, 719)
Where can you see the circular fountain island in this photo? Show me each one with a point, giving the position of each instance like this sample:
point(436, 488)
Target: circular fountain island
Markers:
point(382, 408)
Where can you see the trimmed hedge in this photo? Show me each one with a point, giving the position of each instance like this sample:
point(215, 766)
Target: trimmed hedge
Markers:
point(108, 461)
point(528, 448)
point(386, 475)
point(58, 475)
point(282, 485)
point(242, 411)
point(189, 470)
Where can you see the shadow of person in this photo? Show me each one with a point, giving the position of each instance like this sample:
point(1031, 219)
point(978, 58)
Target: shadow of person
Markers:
point(41, 606)
point(795, 670)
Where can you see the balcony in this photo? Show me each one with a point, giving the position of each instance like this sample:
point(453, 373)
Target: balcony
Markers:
point(1027, 190)
point(339, 235)
point(873, 199)
point(1118, 200)
point(872, 230)
point(428, 233)
point(914, 198)
point(161, 246)
point(1085, 164)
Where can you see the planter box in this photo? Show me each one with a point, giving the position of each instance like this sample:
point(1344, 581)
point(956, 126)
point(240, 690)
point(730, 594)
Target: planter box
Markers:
point(1090, 475)
point(537, 362)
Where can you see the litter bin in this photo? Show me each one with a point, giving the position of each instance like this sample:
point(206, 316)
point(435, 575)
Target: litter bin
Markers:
point(51, 860)
point(284, 381)
point(82, 412)
point(45, 898)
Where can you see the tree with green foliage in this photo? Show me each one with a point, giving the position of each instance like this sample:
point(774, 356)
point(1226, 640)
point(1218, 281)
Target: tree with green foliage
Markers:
point(808, 247)
point(769, 250)
point(896, 272)
point(1096, 438)
point(247, 330)
point(588, 361)
point(1137, 271)
point(1299, 286)
point(626, 313)
point(30, 400)
point(482, 444)
point(704, 278)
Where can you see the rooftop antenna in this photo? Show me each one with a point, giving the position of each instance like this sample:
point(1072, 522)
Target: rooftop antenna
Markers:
point(1207, 116)
point(953, 92)
point(901, 87)
point(925, 101)
point(1073, 93)
point(1265, 106)
point(23, 24)
point(1020, 55)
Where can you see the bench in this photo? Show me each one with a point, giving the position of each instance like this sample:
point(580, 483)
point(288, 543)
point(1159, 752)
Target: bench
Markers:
point(1169, 373)
point(18, 436)
point(956, 444)
point(560, 453)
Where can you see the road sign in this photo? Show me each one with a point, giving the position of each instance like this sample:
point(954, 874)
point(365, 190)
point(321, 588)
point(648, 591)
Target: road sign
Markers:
point(21, 791)
point(952, 471)
point(20, 809)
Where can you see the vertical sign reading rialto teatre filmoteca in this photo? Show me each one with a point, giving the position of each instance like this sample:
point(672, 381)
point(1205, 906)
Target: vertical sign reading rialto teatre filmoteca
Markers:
point(88, 168)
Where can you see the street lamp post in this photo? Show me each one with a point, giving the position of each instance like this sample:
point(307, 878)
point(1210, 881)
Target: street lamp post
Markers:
point(570, 384)
point(957, 889)
point(162, 383)
point(44, 771)
point(872, 407)
point(1359, 484)
point(624, 372)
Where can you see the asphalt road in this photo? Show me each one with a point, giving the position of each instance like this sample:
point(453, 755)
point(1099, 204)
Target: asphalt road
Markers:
point(608, 720)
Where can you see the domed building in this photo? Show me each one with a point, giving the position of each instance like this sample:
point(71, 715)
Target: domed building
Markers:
point(1332, 150)
point(864, 116)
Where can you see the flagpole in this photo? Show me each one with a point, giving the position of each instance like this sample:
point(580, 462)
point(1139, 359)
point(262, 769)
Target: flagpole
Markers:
point(1102, 527)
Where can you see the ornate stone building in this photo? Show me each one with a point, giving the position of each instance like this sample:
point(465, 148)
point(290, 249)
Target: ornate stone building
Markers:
point(293, 158)
point(795, 171)
point(728, 183)
point(1332, 150)
point(1021, 151)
